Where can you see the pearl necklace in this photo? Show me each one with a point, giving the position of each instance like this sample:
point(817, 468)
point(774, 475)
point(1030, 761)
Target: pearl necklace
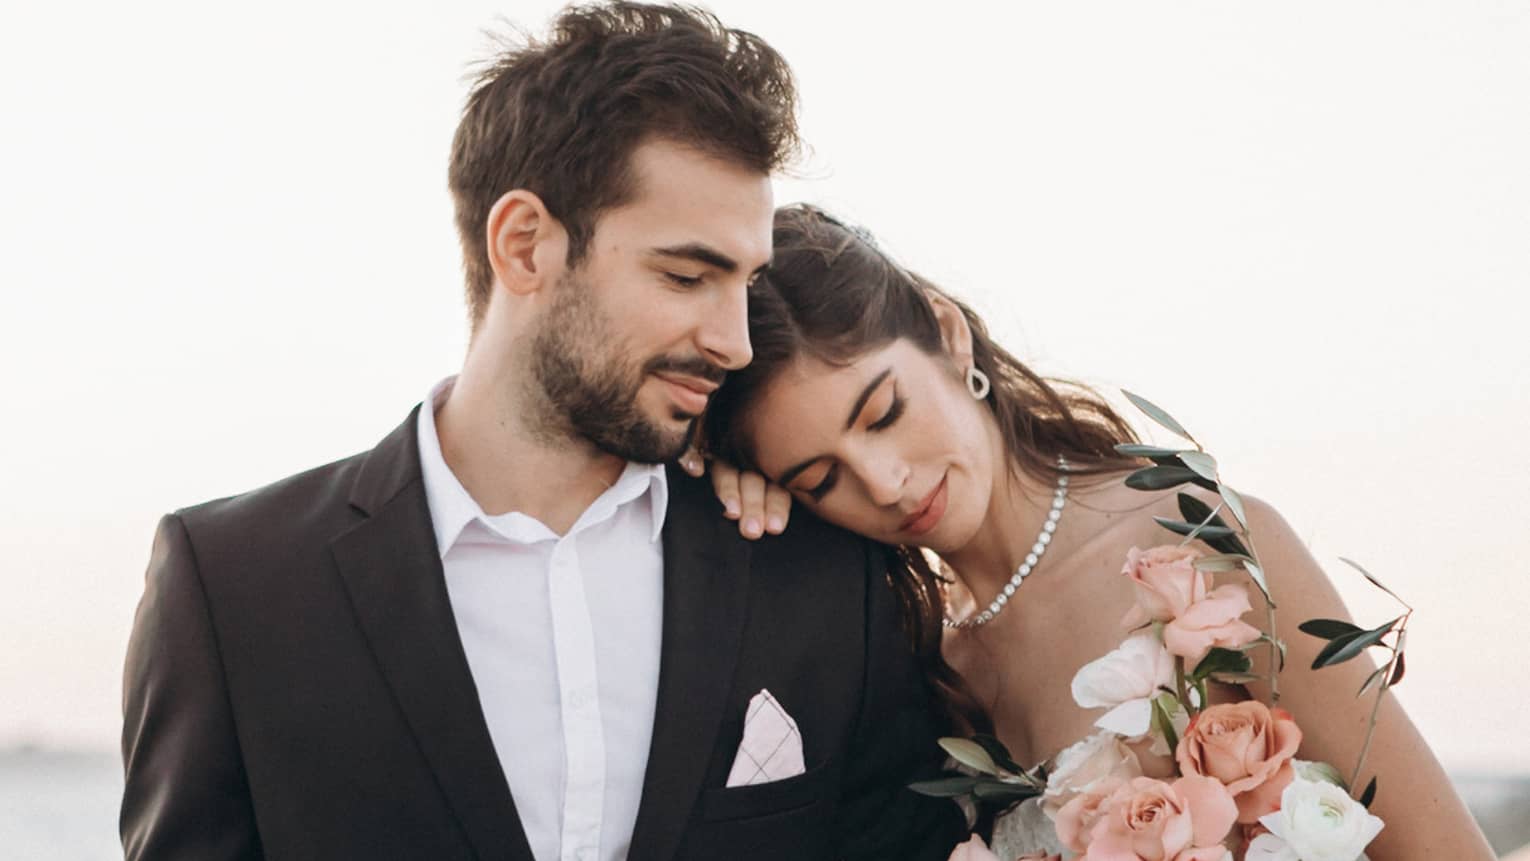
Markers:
point(1039, 549)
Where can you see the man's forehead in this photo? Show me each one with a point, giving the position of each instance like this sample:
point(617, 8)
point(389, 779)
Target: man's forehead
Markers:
point(684, 197)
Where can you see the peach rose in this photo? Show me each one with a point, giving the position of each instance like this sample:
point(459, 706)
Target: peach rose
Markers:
point(1166, 582)
point(973, 850)
point(1100, 757)
point(1211, 621)
point(1078, 817)
point(1248, 747)
point(1152, 820)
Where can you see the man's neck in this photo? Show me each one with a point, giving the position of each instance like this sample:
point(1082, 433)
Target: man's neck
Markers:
point(505, 465)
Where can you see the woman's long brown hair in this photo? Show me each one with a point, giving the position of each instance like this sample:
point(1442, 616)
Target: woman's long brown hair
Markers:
point(830, 294)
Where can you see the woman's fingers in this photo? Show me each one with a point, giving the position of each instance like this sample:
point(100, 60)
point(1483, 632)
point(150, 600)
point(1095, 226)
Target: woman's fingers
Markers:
point(692, 463)
point(778, 507)
point(751, 492)
point(725, 484)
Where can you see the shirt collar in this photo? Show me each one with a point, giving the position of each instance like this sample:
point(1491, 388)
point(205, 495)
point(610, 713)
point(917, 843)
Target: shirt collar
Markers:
point(453, 509)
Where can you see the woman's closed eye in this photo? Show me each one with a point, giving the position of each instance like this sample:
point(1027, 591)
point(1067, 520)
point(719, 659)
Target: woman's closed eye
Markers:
point(894, 410)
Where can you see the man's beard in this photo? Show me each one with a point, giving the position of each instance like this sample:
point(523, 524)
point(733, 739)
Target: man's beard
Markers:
point(589, 387)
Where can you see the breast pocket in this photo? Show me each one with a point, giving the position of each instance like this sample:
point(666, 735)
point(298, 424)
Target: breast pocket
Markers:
point(765, 799)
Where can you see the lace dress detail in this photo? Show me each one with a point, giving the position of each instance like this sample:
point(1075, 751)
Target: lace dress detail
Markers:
point(1024, 829)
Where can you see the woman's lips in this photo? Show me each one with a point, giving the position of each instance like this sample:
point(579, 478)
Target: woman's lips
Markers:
point(930, 511)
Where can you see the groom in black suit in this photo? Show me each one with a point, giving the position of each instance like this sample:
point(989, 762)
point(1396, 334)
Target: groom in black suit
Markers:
point(507, 632)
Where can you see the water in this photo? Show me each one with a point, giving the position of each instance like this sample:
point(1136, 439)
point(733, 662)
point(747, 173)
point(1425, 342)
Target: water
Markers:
point(56, 805)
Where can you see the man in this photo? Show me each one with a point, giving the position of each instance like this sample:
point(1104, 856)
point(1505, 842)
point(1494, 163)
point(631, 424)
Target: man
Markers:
point(508, 631)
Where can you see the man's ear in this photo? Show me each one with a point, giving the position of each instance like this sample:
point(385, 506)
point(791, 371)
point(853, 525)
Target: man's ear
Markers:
point(527, 246)
point(955, 333)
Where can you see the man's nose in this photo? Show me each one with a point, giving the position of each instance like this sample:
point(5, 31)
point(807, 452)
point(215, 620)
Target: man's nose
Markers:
point(724, 335)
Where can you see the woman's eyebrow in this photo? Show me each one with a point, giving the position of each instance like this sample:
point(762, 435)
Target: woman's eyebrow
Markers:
point(860, 402)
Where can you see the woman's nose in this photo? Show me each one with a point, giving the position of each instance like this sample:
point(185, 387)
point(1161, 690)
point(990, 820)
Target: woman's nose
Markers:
point(885, 481)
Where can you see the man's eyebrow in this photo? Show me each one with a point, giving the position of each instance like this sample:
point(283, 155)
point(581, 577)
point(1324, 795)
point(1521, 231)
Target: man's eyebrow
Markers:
point(860, 402)
point(701, 254)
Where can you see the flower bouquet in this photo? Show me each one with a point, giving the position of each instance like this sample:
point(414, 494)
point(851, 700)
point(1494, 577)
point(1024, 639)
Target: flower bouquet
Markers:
point(1170, 776)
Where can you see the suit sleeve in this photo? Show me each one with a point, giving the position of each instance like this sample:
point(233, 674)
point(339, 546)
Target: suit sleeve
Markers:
point(185, 795)
point(895, 745)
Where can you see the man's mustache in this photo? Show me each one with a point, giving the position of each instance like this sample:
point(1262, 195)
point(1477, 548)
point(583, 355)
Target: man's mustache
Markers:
point(691, 367)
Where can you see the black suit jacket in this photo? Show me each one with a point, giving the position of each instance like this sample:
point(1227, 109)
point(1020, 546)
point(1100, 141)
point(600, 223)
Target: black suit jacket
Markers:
point(295, 688)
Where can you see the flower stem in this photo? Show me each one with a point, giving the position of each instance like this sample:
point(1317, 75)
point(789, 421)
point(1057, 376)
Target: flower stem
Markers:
point(1179, 685)
point(1381, 691)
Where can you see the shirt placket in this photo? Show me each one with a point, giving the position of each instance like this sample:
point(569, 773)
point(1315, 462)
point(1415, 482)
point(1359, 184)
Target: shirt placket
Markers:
point(579, 702)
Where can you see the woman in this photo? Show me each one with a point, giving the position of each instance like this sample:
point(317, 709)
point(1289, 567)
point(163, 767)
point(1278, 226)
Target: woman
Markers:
point(881, 404)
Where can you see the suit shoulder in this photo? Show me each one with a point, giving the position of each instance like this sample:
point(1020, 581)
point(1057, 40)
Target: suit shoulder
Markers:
point(296, 499)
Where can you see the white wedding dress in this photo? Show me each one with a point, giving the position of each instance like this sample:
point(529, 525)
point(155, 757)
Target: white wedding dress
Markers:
point(1026, 828)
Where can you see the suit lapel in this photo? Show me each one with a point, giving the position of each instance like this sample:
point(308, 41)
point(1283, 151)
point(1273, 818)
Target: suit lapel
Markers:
point(392, 572)
point(706, 586)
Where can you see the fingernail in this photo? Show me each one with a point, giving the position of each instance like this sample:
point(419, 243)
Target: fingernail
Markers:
point(731, 507)
point(752, 526)
point(775, 525)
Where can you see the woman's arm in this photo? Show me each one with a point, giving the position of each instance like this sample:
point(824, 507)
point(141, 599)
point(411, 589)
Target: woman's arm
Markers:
point(1424, 817)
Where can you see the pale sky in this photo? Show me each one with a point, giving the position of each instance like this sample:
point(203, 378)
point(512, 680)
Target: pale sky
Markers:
point(1303, 227)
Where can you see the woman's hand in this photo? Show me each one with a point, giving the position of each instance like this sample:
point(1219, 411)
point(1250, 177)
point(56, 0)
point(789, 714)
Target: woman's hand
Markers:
point(757, 505)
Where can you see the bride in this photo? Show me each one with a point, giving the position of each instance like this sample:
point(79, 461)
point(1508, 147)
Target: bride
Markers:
point(881, 404)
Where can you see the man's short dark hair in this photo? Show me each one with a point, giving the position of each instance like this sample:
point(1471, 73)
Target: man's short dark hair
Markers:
point(561, 118)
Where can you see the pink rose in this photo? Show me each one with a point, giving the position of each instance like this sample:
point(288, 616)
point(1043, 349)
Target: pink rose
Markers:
point(1151, 820)
point(1166, 582)
point(1246, 746)
point(1078, 817)
point(973, 850)
point(1098, 758)
point(1211, 621)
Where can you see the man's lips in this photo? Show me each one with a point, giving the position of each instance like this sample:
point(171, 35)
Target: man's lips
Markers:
point(931, 509)
point(689, 393)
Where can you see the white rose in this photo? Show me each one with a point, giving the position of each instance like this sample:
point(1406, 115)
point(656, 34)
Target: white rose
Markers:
point(1085, 764)
point(1125, 681)
point(1317, 821)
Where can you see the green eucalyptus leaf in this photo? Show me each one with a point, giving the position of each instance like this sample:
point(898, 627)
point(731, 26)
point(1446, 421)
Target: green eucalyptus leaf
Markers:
point(1220, 660)
point(1157, 414)
point(1221, 562)
point(1329, 628)
point(1371, 577)
point(1196, 511)
point(1157, 454)
point(1204, 464)
point(1205, 533)
point(1234, 502)
point(970, 753)
point(1368, 795)
point(998, 752)
point(1256, 574)
point(1165, 477)
point(945, 787)
point(1343, 648)
point(1165, 722)
point(1370, 681)
point(1235, 678)
point(994, 791)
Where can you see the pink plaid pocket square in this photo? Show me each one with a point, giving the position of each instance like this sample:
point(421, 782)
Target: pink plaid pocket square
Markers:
point(772, 746)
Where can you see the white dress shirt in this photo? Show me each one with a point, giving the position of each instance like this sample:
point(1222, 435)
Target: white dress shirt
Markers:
point(562, 638)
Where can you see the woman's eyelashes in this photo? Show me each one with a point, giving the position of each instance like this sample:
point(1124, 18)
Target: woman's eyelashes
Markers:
point(831, 477)
point(894, 410)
